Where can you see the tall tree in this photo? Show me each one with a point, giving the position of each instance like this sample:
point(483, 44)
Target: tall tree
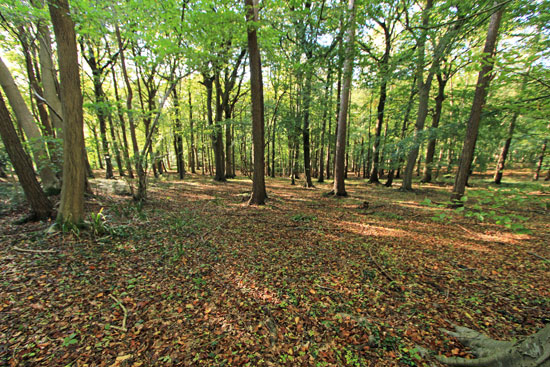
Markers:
point(27, 123)
point(40, 205)
point(484, 78)
point(339, 166)
point(257, 96)
point(71, 207)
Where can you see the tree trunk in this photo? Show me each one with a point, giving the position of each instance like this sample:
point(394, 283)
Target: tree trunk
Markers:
point(178, 139)
point(483, 81)
point(532, 351)
point(192, 132)
point(100, 108)
point(339, 168)
point(326, 107)
point(423, 96)
point(142, 193)
point(26, 121)
point(71, 207)
point(217, 134)
point(40, 205)
point(125, 149)
point(306, 105)
point(257, 96)
point(504, 152)
point(430, 150)
point(541, 159)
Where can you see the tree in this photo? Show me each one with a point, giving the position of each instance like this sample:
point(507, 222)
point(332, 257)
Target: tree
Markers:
point(40, 205)
point(339, 166)
point(484, 78)
point(27, 123)
point(257, 96)
point(71, 207)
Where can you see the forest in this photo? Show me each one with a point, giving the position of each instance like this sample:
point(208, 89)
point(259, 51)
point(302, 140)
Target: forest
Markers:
point(275, 183)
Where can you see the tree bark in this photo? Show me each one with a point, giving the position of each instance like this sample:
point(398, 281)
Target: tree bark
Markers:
point(339, 168)
point(257, 96)
point(71, 207)
point(504, 152)
point(192, 132)
point(178, 139)
point(541, 159)
point(125, 149)
point(430, 150)
point(40, 205)
point(482, 85)
point(26, 121)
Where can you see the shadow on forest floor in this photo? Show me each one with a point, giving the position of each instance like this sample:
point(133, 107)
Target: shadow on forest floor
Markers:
point(197, 277)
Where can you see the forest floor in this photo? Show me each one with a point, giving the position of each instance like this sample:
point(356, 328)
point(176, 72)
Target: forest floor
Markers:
point(196, 277)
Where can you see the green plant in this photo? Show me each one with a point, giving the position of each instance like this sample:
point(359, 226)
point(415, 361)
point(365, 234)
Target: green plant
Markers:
point(97, 223)
point(70, 340)
point(305, 218)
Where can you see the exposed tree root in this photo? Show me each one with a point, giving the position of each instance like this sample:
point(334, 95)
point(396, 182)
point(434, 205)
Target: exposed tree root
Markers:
point(533, 351)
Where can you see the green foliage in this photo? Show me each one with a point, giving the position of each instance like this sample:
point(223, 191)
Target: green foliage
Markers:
point(70, 340)
point(304, 218)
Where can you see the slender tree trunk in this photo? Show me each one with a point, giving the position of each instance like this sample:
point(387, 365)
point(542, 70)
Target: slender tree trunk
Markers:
point(71, 207)
point(339, 168)
point(101, 110)
point(430, 150)
point(116, 147)
point(541, 158)
point(125, 149)
point(140, 171)
point(27, 123)
point(178, 139)
point(40, 205)
point(258, 195)
point(423, 96)
point(504, 152)
point(325, 114)
point(192, 132)
point(305, 129)
point(217, 134)
point(483, 81)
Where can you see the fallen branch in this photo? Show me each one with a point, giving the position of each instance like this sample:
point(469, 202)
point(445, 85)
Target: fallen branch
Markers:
point(537, 255)
point(119, 303)
point(379, 267)
point(34, 251)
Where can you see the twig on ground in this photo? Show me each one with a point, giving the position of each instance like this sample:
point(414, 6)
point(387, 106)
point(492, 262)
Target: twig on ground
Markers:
point(123, 328)
point(34, 251)
point(379, 267)
point(537, 255)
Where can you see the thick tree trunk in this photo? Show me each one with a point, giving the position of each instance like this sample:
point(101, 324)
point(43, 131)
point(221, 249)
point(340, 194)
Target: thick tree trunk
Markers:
point(306, 104)
point(257, 96)
point(40, 205)
point(27, 123)
point(339, 168)
point(483, 81)
point(430, 150)
point(71, 207)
